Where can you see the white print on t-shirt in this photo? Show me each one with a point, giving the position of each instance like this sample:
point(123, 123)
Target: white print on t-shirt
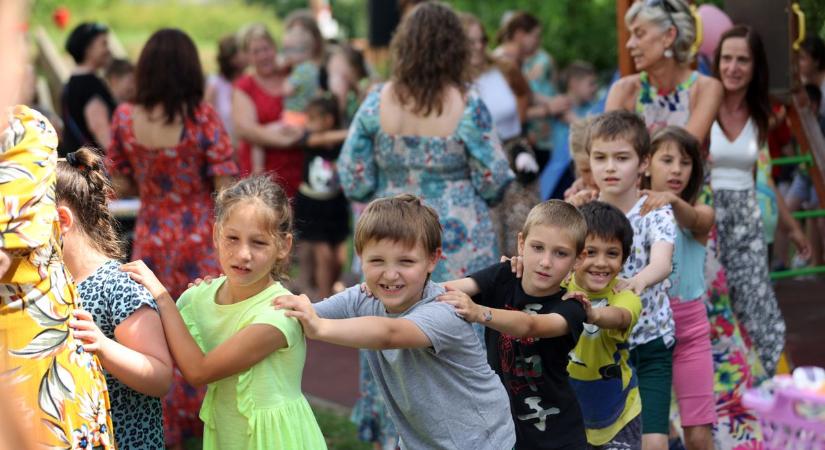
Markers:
point(532, 308)
point(540, 413)
point(321, 176)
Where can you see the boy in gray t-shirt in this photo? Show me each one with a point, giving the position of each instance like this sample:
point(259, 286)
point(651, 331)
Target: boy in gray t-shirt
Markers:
point(427, 361)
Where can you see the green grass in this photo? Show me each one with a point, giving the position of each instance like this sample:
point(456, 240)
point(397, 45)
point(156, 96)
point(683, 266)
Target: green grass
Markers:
point(134, 21)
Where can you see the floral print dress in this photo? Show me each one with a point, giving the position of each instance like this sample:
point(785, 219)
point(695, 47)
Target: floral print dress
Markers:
point(458, 175)
point(60, 389)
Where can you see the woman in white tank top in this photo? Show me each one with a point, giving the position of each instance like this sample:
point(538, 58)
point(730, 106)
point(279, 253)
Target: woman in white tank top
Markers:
point(740, 130)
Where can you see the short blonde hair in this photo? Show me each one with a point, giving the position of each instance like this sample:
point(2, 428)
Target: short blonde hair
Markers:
point(255, 31)
point(403, 218)
point(557, 213)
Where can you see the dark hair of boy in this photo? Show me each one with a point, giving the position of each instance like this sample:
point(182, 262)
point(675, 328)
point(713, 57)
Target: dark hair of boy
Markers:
point(607, 222)
point(576, 69)
point(324, 105)
point(814, 46)
point(118, 68)
point(625, 125)
point(689, 146)
point(814, 94)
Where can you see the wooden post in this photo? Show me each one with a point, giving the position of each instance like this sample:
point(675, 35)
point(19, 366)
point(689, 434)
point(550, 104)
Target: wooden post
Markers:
point(806, 130)
point(625, 62)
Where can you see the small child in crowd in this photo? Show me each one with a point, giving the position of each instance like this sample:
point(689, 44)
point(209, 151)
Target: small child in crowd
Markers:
point(119, 321)
point(321, 210)
point(605, 383)
point(120, 76)
point(619, 146)
point(675, 178)
point(226, 334)
point(531, 328)
point(427, 361)
point(581, 162)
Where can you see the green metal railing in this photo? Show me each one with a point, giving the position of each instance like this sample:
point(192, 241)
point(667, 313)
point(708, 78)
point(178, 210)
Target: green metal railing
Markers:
point(808, 160)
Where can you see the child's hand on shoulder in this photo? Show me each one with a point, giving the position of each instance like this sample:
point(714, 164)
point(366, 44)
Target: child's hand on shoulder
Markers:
point(86, 331)
point(365, 289)
point(463, 304)
point(632, 284)
point(139, 272)
point(584, 300)
point(516, 264)
point(656, 200)
point(582, 197)
point(300, 307)
point(207, 279)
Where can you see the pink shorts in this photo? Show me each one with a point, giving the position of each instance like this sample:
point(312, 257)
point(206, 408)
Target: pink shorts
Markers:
point(693, 364)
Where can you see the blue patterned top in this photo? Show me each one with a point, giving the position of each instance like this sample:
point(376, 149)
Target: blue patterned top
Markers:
point(687, 282)
point(111, 296)
point(458, 175)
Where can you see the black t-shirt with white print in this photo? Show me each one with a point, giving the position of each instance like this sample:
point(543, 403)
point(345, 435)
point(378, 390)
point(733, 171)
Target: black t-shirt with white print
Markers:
point(534, 371)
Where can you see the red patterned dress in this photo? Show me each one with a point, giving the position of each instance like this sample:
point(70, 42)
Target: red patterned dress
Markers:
point(173, 233)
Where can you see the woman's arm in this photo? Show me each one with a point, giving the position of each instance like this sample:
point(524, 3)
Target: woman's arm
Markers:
point(622, 95)
point(327, 138)
point(791, 225)
point(97, 118)
point(705, 107)
point(356, 164)
point(245, 119)
point(237, 354)
point(210, 94)
point(138, 356)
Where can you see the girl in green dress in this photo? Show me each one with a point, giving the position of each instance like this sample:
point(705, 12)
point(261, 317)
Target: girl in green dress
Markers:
point(225, 334)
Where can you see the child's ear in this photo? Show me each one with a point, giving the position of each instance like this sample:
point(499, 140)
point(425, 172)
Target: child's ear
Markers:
point(578, 261)
point(520, 248)
point(65, 217)
point(286, 246)
point(643, 165)
point(434, 259)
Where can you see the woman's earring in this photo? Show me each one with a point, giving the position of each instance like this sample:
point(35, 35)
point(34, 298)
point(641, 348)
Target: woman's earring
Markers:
point(668, 53)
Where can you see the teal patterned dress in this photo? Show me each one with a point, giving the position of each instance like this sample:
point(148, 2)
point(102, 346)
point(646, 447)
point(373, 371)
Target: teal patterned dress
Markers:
point(458, 175)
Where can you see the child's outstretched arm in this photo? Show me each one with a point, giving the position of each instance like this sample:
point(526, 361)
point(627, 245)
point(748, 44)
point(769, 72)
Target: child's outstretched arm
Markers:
point(513, 323)
point(138, 358)
point(659, 268)
point(237, 354)
point(699, 219)
point(376, 333)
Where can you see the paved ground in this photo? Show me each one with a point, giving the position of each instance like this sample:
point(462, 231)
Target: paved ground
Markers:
point(331, 372)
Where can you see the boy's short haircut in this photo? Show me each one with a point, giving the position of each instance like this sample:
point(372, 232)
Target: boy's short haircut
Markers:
point(607, 222)
point(118, 68)
point(324, 105)
point(559, 214)
point(403, 218)
point(625, 125)
point(578, 137)
point(576, 69)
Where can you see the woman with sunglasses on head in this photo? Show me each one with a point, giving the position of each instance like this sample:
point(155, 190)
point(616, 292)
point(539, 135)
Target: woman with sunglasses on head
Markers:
point(666, 91)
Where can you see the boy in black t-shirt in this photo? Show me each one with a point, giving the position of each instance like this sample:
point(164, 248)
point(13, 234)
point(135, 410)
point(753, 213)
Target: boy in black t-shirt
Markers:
point(531, 328)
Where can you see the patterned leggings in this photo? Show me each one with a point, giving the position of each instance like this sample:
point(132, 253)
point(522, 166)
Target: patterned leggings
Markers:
point(743, 254)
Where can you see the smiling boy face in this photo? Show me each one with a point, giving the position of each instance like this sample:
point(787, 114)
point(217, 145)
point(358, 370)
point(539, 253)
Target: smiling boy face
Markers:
point(549, 253)
point(396, 272)
point(601, 261)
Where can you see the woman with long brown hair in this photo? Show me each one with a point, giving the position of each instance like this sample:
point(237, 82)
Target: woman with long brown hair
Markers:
point(170, 148)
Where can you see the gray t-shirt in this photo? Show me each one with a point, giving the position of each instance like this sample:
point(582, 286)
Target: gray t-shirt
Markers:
point(445, 396)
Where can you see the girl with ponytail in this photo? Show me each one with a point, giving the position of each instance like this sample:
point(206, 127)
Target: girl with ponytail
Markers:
point(119, 321)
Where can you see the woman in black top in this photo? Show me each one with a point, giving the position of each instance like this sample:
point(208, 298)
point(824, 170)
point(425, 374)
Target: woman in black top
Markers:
point(87, 104)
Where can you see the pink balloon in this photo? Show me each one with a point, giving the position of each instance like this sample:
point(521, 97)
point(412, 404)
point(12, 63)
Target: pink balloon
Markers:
point(714, 23)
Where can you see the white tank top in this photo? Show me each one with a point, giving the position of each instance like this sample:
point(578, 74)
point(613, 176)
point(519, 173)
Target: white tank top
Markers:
point(223, 102)
point(500, 100)
point(732, 162)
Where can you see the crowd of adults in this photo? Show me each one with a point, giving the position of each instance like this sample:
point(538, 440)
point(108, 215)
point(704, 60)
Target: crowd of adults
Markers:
point(478, 131)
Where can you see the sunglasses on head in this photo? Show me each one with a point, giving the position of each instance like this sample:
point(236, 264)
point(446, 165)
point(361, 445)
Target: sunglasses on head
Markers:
point(667, 8)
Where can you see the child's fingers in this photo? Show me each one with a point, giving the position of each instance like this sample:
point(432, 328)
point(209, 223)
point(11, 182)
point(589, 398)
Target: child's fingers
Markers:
point(81, 314)
point(81, 325)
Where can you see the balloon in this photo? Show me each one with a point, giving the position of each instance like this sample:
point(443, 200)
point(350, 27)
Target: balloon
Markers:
point(714, 23)
point(61, 17)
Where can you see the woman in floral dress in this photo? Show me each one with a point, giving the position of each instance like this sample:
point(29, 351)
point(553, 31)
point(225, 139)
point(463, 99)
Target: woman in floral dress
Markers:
point(424, 133)
point(171, 149)
point(59, 388)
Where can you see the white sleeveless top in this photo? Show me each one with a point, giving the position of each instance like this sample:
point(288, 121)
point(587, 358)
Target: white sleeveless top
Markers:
point(500, 100)
point(732, 162)
point(223, 102)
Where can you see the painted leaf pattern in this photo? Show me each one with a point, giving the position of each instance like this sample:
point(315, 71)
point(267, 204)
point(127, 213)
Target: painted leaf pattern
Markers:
point(61, 390)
